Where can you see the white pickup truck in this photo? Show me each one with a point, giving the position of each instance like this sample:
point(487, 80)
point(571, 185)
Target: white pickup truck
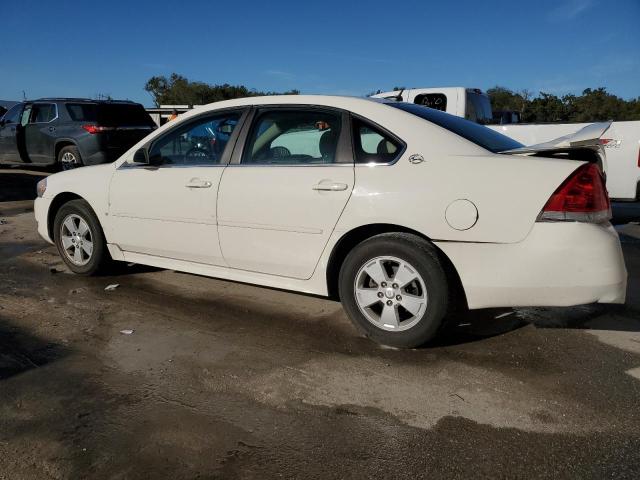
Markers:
point(621, 140)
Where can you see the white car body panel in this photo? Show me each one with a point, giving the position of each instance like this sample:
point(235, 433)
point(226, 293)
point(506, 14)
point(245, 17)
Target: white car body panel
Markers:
point(152, 211)
point(623, 151)
point(272, 221)
point(275, 230)
point(560, 264)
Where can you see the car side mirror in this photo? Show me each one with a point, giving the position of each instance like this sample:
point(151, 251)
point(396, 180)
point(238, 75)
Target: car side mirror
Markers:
point(141, 156)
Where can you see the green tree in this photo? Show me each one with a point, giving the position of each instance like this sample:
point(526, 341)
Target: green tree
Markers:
point(592, 106)
point(178, 90)
point(504, 99)
point(546, 107)
point(596, 105)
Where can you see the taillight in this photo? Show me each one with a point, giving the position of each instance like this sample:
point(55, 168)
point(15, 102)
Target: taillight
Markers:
point(581, 198)
point(93, 129)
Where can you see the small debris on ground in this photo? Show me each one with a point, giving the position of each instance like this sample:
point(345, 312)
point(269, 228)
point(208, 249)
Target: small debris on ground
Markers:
point(3, 221)
point(113, 286)
point(126, 331)
point(54, 270)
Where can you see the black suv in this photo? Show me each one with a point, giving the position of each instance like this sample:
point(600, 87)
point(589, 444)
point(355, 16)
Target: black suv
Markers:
point(71, 132)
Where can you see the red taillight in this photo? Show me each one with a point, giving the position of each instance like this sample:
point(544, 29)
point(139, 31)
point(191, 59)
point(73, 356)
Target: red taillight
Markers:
point(93, 129)
point(581, 198)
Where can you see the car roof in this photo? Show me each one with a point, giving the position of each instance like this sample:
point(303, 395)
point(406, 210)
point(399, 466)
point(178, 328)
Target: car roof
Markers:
point(335, 101)
point(79, 100)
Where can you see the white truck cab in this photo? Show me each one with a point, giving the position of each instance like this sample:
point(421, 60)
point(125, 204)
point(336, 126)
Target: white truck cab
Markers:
point(470, 103)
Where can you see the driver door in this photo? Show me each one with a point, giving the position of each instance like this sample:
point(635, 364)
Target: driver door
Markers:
point(10, 130)
point(167, 207)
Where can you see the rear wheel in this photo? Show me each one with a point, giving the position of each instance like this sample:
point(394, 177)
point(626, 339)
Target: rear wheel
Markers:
point(69, 158)
point(395, 290)
point(79, 238)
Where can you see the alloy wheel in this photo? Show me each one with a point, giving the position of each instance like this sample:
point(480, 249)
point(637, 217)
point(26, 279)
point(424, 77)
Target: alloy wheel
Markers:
point(76, 239)
point(390, 293)
point(69, 161)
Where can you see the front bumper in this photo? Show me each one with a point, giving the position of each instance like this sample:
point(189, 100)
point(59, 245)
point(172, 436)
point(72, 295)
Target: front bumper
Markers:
point(41, 211)
point(558, 264)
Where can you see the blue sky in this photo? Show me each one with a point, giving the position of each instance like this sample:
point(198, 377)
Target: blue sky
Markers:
point(73, 48)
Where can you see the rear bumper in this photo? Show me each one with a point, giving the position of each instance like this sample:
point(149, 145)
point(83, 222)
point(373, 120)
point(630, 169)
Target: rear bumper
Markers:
point(558, 264)
point(41, 211)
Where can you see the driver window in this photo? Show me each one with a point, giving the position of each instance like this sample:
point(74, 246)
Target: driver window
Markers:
point(293, 137)
point(201, 142)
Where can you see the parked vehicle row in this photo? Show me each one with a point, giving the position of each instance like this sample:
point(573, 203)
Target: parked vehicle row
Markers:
point(621, 142)
point(70, 132)
point(402, 212)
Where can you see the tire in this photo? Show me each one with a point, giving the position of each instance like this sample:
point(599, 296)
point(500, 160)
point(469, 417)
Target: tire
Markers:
point(76, 224)
point(69, 158)
point(399, 257)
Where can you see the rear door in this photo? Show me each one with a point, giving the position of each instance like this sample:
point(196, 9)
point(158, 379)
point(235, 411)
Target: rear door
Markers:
point(9, 131)
point(283, 193)
point(40, 133)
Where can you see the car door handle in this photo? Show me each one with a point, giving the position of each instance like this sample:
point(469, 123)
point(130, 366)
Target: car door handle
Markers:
point(331, 187)
point(197, 183)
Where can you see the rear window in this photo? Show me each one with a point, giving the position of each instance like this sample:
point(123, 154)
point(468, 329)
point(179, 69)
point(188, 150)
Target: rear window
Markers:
point(432, 100)
point(110, 114)
point(82, 112)
point(43, 112)
point(485, 137)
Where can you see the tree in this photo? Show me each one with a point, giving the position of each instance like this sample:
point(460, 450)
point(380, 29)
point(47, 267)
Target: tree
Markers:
point(546, 108)
point(592, 106)
point(596, 105)
point(504, 99)
point(178, 90)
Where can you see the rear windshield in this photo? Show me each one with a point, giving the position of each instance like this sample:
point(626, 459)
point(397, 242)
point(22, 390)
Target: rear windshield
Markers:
point(485, 137)
point(110, 114)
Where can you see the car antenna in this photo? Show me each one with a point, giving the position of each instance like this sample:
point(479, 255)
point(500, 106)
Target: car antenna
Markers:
point(399, 96)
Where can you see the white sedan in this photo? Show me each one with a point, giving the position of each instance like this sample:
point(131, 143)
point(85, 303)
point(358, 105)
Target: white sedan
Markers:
point(400, 211)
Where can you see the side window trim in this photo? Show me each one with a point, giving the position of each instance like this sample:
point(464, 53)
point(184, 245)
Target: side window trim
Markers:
point(402, 144)
point(33, 111)
point(226, 156)
point(344, 150)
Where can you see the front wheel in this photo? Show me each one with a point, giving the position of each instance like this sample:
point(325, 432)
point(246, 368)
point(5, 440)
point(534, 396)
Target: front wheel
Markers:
point(394, 288)
point(79, 238)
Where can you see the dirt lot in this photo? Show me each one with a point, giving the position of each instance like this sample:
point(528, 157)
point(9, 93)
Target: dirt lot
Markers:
point(222, 380)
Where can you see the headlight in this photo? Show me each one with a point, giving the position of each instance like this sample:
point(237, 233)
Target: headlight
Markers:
point(41, 187)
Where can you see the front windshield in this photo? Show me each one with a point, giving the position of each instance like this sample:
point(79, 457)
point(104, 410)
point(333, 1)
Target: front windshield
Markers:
point(485, 137)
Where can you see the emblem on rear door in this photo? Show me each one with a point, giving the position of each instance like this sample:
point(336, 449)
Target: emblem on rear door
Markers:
point(416, 158)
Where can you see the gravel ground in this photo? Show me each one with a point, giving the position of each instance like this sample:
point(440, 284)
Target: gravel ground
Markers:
point(224, 380)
